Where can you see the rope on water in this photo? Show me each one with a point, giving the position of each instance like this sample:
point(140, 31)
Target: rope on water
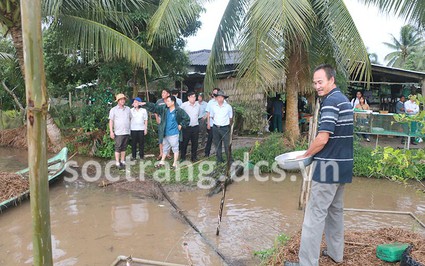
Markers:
point(187, 220)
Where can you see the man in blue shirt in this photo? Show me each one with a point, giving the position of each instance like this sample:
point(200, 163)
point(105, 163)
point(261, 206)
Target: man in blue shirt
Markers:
point(173, 119)
point(332, 169)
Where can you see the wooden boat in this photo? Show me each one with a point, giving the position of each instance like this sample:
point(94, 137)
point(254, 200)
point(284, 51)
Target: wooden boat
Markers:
point(55, 166)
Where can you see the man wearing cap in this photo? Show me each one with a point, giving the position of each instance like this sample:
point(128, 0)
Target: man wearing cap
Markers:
point(139, 128)
point(210, 122)
point(191, 133)
point(222, 114)
point(202, 119)
point(119, 128)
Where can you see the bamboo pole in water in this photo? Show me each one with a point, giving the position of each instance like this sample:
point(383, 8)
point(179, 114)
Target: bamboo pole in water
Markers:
point(36, 95)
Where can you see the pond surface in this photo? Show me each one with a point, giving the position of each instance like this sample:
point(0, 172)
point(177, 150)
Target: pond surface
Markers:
point(92, 225)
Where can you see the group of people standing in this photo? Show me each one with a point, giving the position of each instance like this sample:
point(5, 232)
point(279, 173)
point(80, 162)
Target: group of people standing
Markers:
point(179, 123)
point(409, 107)
point(402, 106)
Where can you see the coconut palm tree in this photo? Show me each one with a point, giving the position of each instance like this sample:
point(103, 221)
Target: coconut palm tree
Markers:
point(410, 40)
point(280, 41)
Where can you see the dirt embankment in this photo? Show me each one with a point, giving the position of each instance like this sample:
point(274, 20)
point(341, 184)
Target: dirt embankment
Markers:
point(360, 247)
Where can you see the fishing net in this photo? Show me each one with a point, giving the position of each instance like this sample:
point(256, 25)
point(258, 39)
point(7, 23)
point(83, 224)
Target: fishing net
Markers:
point(12, 185)
point(360, 247)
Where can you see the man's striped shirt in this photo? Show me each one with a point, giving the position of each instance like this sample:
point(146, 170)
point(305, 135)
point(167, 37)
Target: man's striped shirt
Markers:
point(334, 163)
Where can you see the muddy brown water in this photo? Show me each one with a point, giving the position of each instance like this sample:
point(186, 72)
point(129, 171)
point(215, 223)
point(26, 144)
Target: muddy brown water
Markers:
point(92, 225)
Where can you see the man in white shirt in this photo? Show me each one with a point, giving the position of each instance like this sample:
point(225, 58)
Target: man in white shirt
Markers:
point(119, 128)
point(412, 108)
point(222, 114)
point(191, 132)
point(210, 122)
point(139, 128)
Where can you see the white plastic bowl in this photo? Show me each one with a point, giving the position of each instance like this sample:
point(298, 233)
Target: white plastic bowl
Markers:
point(287, 160)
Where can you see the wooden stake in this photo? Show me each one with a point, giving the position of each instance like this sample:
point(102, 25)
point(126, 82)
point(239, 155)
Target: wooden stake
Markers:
point(306, 184)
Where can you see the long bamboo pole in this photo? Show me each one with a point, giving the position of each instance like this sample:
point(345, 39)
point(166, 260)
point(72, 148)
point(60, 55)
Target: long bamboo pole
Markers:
point(36, 95)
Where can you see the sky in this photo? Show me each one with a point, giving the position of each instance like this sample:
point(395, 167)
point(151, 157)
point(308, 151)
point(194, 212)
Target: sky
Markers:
point(374, 27)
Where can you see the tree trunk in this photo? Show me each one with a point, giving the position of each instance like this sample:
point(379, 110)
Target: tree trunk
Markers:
point(135, 83)
point(292, 128)
point(54, 134)
point(36, 94)
point(16, 33)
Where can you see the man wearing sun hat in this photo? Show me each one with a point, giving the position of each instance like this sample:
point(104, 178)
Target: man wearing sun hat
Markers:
point(119, 128)
point(222, 114)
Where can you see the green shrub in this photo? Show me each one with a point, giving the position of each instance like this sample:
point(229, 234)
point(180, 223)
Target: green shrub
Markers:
point(363, 160)
point(398, 164)
point(106, 149)
point(265, 254)
point(274, 145)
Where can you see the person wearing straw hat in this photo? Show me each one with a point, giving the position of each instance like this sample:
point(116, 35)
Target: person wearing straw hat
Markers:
point(222, 114)
point(119, 128)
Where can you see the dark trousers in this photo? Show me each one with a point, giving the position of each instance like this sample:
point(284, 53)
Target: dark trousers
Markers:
point(277, 123)
point(221, 136)
point(138, 137)
point(190, 134)
point(209, 142)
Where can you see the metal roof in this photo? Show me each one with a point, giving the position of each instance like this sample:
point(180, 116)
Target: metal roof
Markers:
point(200, 58)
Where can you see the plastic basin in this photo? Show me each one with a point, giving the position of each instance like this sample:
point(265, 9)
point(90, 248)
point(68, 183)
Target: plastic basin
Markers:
point(287, 160)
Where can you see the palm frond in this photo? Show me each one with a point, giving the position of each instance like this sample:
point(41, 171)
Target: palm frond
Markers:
point(268, 37)
point(7, 57)
point(170, 17)
point(93, 36)
point(411, 10)
point(349, 49)
point(225, 37)
point(115, 13)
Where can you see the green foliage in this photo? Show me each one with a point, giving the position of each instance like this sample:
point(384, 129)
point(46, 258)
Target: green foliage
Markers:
point(10, 119)
point(249, 118)
point(64, 71)
point(64, 116)
point(115, 75)
point(12, 77)
point(106, 148)
point(363, 160)
point(265, 254)
point(398, 164)
point(95, 111)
